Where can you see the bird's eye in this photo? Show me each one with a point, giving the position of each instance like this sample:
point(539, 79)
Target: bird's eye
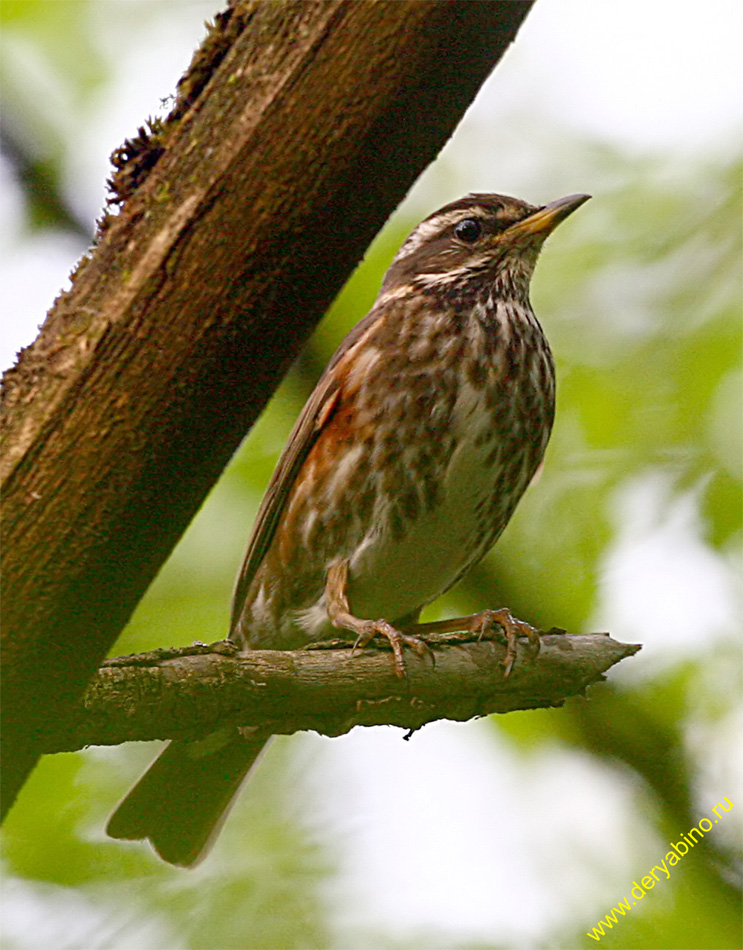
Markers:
point(468, 230)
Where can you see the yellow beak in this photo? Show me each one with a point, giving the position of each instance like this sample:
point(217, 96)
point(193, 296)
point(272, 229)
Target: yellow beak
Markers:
point(546, 219)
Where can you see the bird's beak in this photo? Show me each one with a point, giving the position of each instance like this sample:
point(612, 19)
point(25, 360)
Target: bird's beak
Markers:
point(546, 219)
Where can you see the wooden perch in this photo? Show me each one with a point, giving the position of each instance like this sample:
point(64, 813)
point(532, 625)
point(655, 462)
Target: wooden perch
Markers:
point(183, 694)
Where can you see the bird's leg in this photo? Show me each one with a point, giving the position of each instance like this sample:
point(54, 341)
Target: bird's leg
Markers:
point(339, 612)
point(482, 624)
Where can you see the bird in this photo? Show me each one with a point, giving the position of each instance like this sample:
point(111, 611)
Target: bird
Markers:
point(401, 472)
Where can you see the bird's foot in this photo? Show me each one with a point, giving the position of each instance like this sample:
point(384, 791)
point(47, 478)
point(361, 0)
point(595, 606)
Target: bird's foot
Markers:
point(340, 616)
point(368, 629)
point(482, 624)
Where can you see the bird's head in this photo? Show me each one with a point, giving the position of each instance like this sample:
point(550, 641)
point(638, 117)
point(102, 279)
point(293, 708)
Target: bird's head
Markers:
point(488, 238)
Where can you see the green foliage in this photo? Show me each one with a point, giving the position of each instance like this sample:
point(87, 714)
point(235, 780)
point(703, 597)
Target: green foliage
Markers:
point(259, 889)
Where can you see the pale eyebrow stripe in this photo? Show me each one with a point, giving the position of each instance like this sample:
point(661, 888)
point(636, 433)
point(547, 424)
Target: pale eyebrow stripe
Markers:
point(432, 226)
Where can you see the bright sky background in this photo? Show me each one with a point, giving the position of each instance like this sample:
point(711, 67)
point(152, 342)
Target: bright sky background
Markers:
point(643, 75)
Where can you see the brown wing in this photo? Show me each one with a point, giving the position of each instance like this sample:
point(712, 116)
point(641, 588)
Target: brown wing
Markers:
point(315, 415)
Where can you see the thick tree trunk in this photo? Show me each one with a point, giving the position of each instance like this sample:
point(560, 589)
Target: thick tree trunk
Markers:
point(299, 128)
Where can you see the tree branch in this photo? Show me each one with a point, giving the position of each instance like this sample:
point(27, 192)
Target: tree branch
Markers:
point(184, 694)
point(299, 128)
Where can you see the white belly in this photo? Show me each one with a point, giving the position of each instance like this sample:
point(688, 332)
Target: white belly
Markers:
point(391, 577)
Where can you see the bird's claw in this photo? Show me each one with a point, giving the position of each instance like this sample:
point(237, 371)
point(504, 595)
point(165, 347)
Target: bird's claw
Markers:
point(397, 640)
point(513, 628)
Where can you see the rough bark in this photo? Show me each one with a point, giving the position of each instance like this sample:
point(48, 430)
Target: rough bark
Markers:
point(299, 129)
point(185, 693)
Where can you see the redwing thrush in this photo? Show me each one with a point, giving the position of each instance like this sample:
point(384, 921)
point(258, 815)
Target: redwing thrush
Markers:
point(402, 470)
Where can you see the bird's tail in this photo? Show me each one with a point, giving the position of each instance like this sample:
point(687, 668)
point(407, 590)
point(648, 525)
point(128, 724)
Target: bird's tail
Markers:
point(183, 798)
